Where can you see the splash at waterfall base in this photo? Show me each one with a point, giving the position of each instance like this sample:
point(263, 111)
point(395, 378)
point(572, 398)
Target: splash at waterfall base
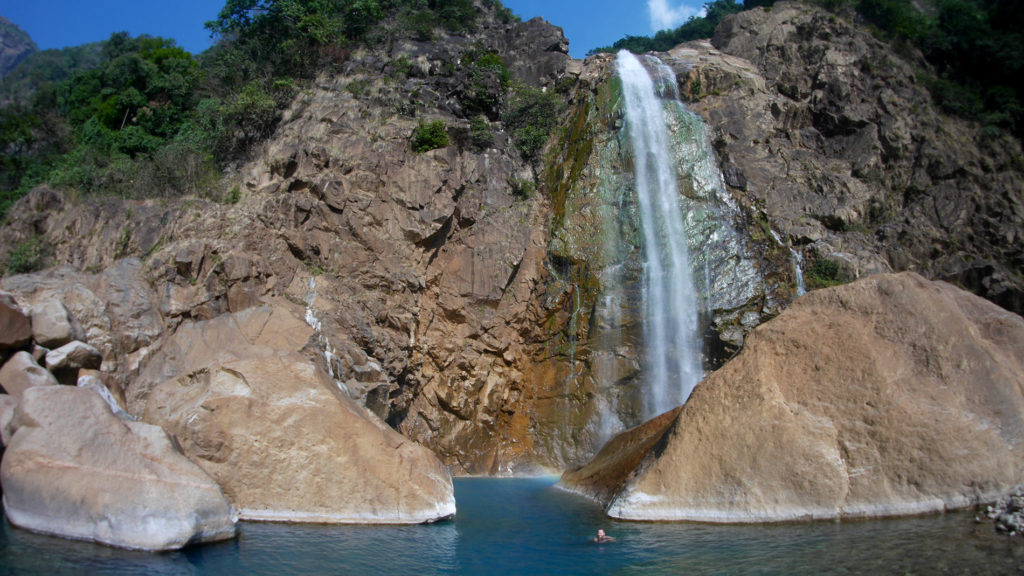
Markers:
point(889, 396)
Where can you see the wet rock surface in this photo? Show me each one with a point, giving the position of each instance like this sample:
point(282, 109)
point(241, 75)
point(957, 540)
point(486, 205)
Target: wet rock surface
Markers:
point(1008, 513)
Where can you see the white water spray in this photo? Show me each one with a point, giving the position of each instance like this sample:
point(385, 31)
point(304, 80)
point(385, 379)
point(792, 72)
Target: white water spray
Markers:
point(798, 261)
point(671, 337)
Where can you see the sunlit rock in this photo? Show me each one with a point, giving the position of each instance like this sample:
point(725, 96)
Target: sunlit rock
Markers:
point(277, 434)
point(75, 470)
point(891, 395)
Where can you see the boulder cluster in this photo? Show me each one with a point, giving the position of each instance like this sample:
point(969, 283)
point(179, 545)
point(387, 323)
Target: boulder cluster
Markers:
point(75, 464)
point(220, 420)
point(1008, 512)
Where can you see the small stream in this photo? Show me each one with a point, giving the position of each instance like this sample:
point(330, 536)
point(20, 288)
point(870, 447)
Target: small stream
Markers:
point(530, 526)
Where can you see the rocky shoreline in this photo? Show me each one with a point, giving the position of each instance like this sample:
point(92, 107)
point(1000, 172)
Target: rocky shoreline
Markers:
point(1008, 512)
point(241, 426)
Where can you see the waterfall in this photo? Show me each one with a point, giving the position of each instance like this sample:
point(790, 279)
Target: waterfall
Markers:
point(671, 336)
point(798, 261)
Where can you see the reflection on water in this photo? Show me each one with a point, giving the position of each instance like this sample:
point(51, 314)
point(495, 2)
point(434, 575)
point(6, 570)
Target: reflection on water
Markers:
point(528, 526)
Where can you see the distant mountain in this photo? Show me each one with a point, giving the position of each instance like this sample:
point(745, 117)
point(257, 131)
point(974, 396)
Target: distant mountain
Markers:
point(15, 46)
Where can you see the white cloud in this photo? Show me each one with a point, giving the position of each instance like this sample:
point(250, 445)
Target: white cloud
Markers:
point(664, 16)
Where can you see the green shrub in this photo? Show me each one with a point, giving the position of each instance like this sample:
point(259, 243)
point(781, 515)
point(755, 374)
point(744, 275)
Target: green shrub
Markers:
point(481, 137)
point(531, 115)
point(823, 273)
point(522, 188)
point(25, 257)
point(429, 136)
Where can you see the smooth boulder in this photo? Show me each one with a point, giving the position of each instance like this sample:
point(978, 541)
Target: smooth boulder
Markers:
point(21, 372)
point(73, 469)
point(892, 395)
point(65, 362)
point(51, 326)
point(278, 435)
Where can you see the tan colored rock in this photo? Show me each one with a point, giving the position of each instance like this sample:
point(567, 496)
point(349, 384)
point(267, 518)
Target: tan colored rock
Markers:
point(50, 324)
point(73, 355)
point(21, 373)
point(73, 469)
point(277, 434)
point(15, 327)
point(892, 395)
point(602, 476)
point(253, 332)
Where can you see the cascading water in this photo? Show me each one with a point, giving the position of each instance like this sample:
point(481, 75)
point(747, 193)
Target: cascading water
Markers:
point(671, 336)
point(798, 261)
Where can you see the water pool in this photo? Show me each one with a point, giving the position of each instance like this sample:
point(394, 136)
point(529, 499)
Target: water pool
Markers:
point(529, 526)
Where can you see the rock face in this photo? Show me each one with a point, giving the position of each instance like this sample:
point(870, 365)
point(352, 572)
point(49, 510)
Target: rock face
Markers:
point(50, 324)
point(277, 434)
point(832, 133)
point(891, 395)
point(73, 469)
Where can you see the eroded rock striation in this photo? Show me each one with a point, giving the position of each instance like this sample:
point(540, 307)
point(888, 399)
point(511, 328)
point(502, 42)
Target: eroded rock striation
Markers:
point(890, 395)
point(75, 470)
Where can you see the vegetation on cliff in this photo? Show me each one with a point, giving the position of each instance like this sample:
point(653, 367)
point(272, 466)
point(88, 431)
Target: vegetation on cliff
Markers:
point(975, 47)
point(136, 117)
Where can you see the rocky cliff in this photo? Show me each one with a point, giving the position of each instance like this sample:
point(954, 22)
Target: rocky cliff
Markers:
point(833, 135)
point(458, 293)
point(15, 46)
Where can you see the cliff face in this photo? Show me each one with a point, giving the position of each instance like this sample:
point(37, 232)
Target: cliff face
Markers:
point(418, 271)
point(466, 312)
point(849, 158)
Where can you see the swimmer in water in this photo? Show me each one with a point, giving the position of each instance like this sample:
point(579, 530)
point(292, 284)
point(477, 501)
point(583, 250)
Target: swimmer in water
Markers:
point(602, 537)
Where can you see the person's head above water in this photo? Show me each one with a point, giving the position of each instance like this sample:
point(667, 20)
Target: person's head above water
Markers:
point(600, 534)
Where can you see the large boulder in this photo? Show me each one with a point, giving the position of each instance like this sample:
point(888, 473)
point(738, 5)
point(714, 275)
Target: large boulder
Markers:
point(15, 327)
point(22, 372)
point(892, 395)
point(73, 469)
point(278, 435)
point(51, 326)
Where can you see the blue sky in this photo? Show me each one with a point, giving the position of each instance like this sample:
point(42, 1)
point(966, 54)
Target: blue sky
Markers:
point(61, 23)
